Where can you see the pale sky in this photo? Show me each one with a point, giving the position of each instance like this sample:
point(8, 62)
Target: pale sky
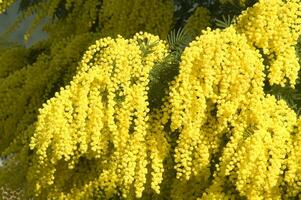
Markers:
point(9, 17)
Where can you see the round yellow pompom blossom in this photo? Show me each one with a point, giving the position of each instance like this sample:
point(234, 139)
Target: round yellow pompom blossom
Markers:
point(4, 4)
point(293, 175)
point(234, 141)
point(99, 127)
point(274, 26)
point(131, 16)
point(254, 160)
point(219, 74)
point(198, 21)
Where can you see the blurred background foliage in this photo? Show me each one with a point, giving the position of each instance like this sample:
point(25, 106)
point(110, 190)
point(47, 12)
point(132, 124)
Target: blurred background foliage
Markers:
point(222, 14)
point(17, 36)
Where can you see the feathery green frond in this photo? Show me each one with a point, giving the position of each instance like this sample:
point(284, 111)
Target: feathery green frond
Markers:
point(225, 22)
point(178, 40)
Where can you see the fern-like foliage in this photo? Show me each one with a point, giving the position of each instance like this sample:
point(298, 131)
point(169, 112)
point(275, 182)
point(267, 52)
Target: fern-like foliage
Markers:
point(178, 40)
point(290, 95)
point(225, 21)
point(164, 72)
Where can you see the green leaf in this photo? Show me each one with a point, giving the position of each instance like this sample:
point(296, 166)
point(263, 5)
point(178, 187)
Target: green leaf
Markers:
point(178, 40)
point(225, 22)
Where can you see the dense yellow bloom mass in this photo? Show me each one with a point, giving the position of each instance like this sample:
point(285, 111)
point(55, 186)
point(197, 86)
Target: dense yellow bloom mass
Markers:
point(274, 26)
point(253, 161)
point(77, 125)
point(102, 117)
point(198, 21)
point(219, 74)
point(234, 141)
point(293, 175)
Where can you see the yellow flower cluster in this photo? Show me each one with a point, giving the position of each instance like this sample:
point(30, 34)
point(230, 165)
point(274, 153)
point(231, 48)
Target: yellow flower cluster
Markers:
point(103, 117)
point(4, 4)
point(95, 130)
point(158, 149)
point(233, 139)
point(293, 168)
point(129, 17)
point(274, 26)
point(198, 21)
point(254, 160)
point(219, 71)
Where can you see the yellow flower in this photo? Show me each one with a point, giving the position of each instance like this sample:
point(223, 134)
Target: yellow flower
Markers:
point(217, 58)
point(102, 117)
point(275, 26)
